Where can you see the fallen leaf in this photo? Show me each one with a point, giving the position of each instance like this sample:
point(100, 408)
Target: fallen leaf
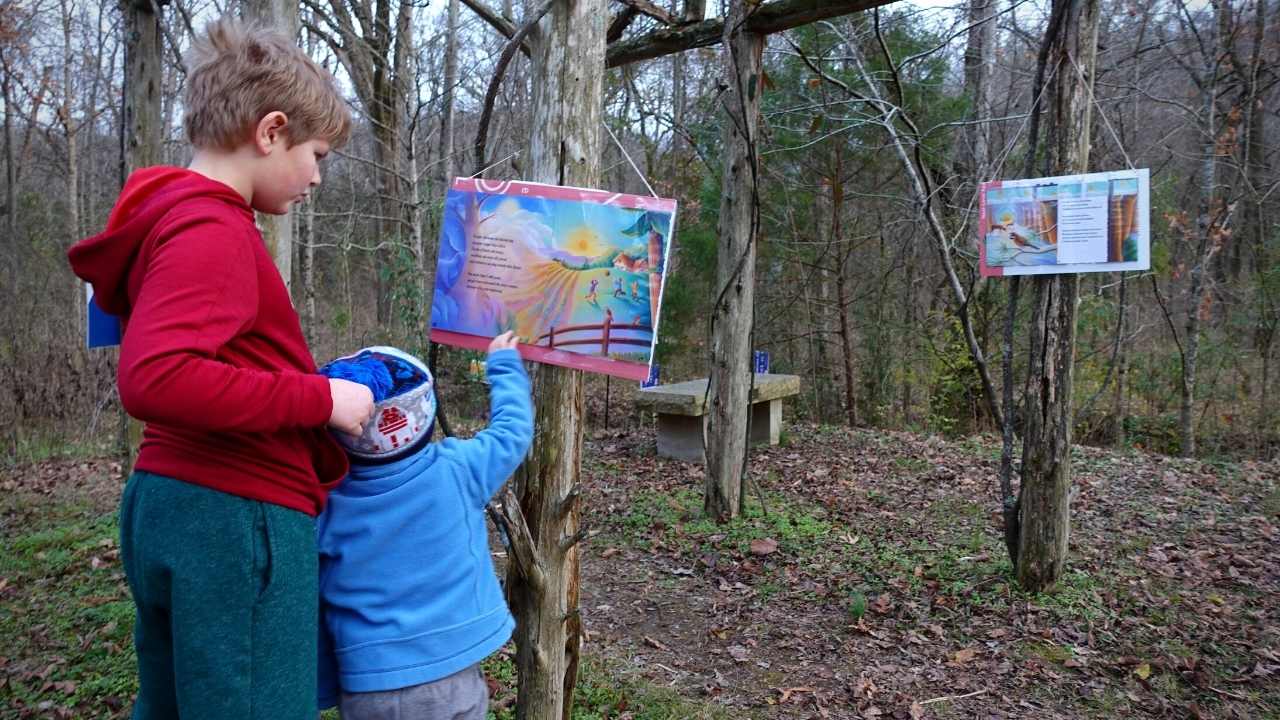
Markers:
point(654, 643)
point(788, 692)
point(739, 653)
point(1143, 671)
point(764, 546)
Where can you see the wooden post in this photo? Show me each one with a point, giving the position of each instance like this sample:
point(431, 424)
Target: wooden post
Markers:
point(568, 81)
point(141, 131)
point(1046, 457)
point(604, 336)
point(735, 268)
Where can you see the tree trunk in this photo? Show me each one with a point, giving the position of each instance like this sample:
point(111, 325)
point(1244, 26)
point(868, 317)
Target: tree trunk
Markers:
point(1205, 227)
point(733, 312)
point(565, 147)
point(73, 157)
point(141, 132)
point(277, 230)
point(374, 49)
point(677, 88)
point(846, 345)
point(1120, 404)
point(307, 256)
point(912, 331)
point(450, 80)
point(10, 168)
point(1046, 456)
point(141, 129)
point(70, 129)
point(979, 60)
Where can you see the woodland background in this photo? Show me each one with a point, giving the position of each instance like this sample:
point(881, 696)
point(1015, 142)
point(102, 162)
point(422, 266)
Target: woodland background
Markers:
point(852, 289)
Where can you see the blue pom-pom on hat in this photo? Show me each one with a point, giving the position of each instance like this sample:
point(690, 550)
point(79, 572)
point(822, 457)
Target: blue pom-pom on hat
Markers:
point(404, 401)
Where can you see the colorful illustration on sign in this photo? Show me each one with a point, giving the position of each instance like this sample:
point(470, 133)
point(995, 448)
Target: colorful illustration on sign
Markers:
point(577, 274)
point(1085, 223)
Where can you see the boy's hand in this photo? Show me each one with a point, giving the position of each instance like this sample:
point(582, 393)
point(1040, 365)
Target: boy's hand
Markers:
point(352, 406)
point(505, 341)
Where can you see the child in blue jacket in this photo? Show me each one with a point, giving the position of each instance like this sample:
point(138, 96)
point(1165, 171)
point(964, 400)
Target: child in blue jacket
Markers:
point(409, 601)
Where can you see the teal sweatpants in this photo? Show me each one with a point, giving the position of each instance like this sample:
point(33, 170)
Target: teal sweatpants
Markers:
point(226, 596)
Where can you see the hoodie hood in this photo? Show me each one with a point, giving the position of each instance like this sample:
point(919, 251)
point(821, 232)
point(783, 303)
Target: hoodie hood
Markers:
point(106, 259)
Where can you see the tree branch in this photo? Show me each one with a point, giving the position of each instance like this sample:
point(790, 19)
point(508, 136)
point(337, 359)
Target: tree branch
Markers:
point(767, 19)
point(647, 8)
point(496, 21)
point(491, 95)
point(619, 23)
point(524, 553)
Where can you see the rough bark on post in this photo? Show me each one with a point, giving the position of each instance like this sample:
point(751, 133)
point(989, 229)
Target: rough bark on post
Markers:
point(277, 230)
point(735, 268)
point(141, 131)
point(565, 147)
point(1046, 455)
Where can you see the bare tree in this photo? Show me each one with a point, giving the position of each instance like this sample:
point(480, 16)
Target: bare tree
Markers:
point(1044, 507)
point(277, 230)
point(732, 315)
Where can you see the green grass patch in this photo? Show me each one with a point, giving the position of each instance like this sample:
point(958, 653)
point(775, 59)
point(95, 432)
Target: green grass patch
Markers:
point(800, 528)
point(68, 617)
point(1049, 652)
point(604, 691)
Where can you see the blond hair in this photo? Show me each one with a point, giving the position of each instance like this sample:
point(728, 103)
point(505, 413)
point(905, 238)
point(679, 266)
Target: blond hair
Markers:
point(238, 73)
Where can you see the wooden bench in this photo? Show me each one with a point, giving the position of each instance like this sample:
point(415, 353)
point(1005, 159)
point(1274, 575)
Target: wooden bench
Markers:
point(682, 413)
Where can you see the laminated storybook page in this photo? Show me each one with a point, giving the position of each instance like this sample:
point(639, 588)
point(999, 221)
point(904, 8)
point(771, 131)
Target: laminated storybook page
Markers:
point(576, 273)
point(1098, 222)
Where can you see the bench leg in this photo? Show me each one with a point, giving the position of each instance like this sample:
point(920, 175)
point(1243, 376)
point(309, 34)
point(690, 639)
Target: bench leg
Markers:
point(682, 437)
point(766, 422)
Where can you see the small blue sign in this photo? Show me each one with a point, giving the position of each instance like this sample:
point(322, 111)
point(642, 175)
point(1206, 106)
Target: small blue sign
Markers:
point(103, 328)
point(761, 359)
point(652, 380)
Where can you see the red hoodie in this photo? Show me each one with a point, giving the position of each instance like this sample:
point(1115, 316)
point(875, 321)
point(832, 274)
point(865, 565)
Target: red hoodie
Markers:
point(212, 358)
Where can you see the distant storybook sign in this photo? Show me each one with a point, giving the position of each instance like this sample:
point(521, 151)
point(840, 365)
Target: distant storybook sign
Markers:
point(1099, 222)
point(576, 273)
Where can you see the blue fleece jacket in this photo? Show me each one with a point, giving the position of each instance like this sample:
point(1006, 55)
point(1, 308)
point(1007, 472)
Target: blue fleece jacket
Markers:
point(408, 592)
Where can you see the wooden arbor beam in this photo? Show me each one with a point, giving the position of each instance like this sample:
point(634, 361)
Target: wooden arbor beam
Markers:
point(769, 18)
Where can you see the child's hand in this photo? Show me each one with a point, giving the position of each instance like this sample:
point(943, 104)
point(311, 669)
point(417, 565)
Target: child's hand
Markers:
point(352, 406)
point(505, 341)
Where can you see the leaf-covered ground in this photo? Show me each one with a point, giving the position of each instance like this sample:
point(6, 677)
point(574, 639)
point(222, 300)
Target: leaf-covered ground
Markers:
point(876, 585)
point(871, 582)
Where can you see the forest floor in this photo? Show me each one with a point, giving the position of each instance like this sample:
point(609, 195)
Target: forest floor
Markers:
point(871, 582)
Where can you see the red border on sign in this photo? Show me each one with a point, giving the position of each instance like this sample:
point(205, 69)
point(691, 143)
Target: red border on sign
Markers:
point(984, 269)
point(517, 188)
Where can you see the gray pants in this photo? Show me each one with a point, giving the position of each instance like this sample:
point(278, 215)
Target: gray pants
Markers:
point(463, 695)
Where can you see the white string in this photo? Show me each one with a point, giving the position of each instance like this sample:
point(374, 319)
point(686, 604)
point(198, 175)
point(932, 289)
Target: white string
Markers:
point(628, 157)
point(483, 171)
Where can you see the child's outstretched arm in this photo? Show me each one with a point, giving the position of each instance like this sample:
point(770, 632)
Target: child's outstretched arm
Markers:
point(495, 452)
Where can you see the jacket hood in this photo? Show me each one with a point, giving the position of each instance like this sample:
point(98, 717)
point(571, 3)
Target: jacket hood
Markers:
point(106, 259)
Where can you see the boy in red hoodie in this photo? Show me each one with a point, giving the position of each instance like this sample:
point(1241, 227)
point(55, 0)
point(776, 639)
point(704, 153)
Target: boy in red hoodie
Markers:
point(217, 521)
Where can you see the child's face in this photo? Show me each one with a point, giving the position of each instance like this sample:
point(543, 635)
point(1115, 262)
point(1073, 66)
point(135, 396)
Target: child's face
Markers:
point(288, 175)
